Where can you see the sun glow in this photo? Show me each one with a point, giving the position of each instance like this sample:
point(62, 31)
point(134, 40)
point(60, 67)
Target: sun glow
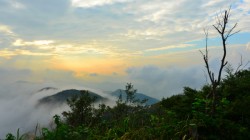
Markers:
point(84, 65)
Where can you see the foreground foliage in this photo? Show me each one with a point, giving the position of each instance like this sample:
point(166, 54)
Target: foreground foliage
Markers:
point(182, 116)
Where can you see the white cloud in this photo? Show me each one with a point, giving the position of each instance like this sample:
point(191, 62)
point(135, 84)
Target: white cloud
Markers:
point(134, 24)
point(6, 53)
point(170, 47)
point(94, 3)
point(5, 29)
point(248, 46)
point(16, 4)
point(20, 42)
point(181, 16)
point(244, 5)
point(149, 33)
point(156, 11)
point(163, 82)
point(212, 3)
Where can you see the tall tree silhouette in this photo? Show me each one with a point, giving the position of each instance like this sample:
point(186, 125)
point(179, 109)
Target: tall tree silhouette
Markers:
point(225, 32)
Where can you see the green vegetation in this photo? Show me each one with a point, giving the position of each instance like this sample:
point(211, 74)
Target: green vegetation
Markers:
point(183, 116)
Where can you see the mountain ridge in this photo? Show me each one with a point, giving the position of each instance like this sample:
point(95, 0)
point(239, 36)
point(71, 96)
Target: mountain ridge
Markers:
point(140, 96)
point(62, 96)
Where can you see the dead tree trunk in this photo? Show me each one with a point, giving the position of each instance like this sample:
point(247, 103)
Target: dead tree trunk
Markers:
point(221, 28)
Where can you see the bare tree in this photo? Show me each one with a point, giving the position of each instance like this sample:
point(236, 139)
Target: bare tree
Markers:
point(221, 27)
point(240, 65)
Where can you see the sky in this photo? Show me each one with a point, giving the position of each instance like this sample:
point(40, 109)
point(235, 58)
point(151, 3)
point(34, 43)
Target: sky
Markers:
point(104, 44)
point(101, 45)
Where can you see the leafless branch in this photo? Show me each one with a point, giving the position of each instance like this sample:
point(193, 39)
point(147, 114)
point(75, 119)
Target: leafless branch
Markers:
point(240, 64)
point(221, 28)
point(246, 64)
point(229, 32)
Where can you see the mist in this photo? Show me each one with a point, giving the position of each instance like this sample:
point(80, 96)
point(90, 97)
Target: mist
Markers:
point(19, 110)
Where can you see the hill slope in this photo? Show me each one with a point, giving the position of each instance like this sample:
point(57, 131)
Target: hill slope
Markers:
point(61, 97)
point(139, 96)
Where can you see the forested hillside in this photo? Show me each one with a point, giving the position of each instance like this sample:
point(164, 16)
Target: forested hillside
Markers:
point(182, 116)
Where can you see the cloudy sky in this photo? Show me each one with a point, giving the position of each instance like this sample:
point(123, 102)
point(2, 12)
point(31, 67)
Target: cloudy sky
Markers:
point(103, 44)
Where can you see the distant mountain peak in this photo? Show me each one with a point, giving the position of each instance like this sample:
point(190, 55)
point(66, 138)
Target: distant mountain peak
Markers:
point(47, 88)
point(140, 96)
point(62, 96)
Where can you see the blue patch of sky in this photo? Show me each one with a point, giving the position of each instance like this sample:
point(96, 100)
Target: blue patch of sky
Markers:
point(239, 38)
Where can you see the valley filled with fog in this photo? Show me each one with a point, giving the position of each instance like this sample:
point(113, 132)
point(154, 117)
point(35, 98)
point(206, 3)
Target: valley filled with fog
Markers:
point(19, 106)
point(22, 106)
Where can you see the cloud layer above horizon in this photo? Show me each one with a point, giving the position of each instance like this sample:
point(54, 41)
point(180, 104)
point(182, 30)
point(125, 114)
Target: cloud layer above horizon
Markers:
point(106, 43)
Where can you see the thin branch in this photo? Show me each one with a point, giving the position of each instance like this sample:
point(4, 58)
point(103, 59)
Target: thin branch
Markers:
point(229, 33)
point(218, 30)
point(234, 33)
point(246, 64)
point(206, 33)
point(205, 58)
point(240, 64)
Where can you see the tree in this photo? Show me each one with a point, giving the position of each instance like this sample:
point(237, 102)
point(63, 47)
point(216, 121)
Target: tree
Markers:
point(130, 93)
point(221, 27)
point(82, 110)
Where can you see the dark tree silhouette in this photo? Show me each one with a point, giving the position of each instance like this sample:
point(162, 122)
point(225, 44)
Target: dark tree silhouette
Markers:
point(221, 27)
point(81, 110)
